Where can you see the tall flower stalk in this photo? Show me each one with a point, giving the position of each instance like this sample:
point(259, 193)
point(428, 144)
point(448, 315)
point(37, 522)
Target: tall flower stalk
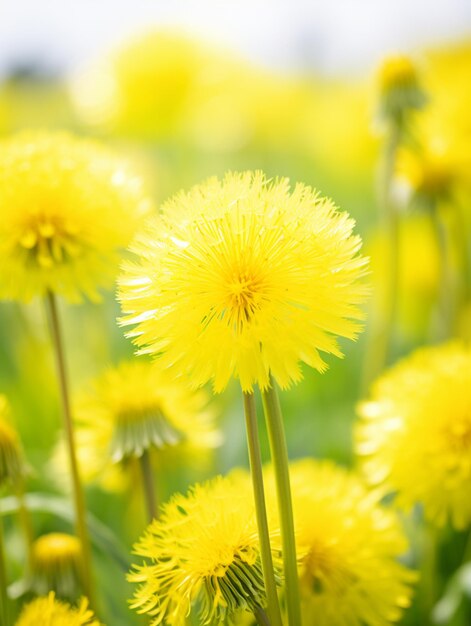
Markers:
point(78, 494)
point(279, 453)
point(253, 445)
point(400, 95)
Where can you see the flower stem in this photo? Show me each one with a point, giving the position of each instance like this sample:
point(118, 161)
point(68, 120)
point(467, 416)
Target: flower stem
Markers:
point(446, 308)
point(79, 499)
point(256, 471)
point(261, 617)
point(4, 601)
point(279, 453)
point(381, 336)
point(148, 485)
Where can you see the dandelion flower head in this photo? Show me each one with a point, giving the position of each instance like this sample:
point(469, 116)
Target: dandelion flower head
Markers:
point(47, 611)
point(137, 406)
point(67, 207)
point(414, 435)
point(347, 546)
point(244, 277)
point(56, 565)
point(202, 554)
point(400, 89)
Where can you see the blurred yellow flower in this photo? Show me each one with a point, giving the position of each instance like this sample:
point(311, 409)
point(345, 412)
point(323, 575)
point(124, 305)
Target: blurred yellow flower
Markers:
point(48, 611)
point(138, 406)
point(400, 89)
point(11, 455)
point(414, 437)
point(67, 207)
point(56, 565)
point(244, 278)
point(158, 84)
point(348, 547)
point(447, 77)
point(202, 555)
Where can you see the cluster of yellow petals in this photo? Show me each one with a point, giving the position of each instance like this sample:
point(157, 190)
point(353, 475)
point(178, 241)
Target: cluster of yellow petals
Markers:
point(47, 611)
point(348, 548)
point(67, 206)
point(125, 396)
point(414, 436)
point(202, 555)
point(243, 277)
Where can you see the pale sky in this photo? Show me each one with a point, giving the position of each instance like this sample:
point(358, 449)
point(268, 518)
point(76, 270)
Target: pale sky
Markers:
point(331, 35)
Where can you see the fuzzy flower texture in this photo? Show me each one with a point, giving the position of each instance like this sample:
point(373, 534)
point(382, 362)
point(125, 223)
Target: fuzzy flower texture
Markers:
point(134, 407)
point(47, 611)
point(243, 278)
point(417, 424)
point(66, 208)
point(202, 554)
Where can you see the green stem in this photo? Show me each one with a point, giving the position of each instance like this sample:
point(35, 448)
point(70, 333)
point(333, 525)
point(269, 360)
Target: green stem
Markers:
point(261, 617)
point(428, 572)
point(79, 499)
point(446, 295)
point(279, 454)
point(255, 458)
point(149, 485)
point(4, 601)
point(381, 335)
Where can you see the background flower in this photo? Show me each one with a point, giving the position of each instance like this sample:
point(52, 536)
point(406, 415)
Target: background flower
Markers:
point(48, 611)
point(414, 436)
point(67, 206)
point(348, 549)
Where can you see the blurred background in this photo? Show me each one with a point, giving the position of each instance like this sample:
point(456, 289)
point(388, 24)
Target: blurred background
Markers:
point(191, 89)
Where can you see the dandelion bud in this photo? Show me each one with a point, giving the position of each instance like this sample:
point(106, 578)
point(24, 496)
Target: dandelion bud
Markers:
point(56, 566)
point(399, 88)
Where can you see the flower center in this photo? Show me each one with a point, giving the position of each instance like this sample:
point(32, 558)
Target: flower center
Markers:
point(245, 294)
point(48, 241)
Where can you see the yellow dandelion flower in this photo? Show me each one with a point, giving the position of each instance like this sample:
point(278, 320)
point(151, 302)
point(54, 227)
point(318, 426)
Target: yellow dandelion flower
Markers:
point(144, 87)
point(67, 207)
point(347, 546)
point(48, 611)
point(399, 85)
point(11, 456)
point(414, 436)
point(244, 278)
point(138, 406)
point(56, 565)
point(202, 555)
